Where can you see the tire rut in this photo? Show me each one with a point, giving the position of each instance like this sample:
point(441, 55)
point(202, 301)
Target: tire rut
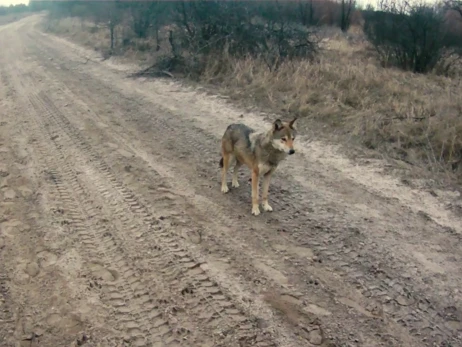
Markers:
point(207, 301)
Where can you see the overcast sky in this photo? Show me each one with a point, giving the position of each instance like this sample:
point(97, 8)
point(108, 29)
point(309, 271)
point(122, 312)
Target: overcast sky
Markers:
point(14, 2)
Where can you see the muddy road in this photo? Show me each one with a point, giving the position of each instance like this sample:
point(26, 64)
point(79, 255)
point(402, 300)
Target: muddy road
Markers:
point(114, 232)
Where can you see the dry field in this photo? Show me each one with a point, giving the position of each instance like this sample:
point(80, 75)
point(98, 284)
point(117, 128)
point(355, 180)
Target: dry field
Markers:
point(114, 232)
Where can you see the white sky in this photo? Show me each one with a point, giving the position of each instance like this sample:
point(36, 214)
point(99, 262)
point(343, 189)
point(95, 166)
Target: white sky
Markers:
point(15, 2)
point(12, 2)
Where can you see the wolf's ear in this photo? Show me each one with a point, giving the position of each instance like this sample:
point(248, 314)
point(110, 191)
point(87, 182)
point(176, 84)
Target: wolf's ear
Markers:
point(292, 124)
point(277, 125)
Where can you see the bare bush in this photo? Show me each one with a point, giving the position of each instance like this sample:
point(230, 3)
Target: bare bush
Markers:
point(267, 30)
point(411, 36)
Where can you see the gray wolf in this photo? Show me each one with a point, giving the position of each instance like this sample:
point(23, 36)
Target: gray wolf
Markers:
point(260, 151)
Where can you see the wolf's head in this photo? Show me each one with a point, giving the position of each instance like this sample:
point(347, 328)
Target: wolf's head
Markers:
point(284, 134)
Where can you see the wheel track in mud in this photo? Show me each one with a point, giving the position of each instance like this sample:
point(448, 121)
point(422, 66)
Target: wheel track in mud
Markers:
point(70, 192)
point(217, 212)
point(188, 275)
point(94, 158)
point(190, 278)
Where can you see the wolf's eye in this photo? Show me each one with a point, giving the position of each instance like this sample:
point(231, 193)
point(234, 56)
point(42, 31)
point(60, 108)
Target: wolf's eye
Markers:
point(283, 139)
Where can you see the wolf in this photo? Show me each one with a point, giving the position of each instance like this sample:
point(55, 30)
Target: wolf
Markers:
point(260, 151)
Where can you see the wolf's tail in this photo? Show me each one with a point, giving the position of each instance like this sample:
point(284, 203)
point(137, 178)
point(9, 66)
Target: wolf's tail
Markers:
point(221, 162)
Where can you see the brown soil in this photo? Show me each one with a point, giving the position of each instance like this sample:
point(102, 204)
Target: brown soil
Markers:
point(114, 232)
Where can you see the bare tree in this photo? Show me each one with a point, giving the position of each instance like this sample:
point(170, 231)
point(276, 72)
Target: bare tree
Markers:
point(115, 17)
point(108, 13)
point(346, 9)
point(144, 15)
point(411, 36)
point(306, 9)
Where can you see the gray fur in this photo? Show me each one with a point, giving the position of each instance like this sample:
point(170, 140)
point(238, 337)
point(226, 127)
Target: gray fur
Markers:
point(242, 140)
point(260, 151)
point(238, 132)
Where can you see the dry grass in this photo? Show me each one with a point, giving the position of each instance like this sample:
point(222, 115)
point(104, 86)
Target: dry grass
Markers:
point(415, 118)
point(97, 37)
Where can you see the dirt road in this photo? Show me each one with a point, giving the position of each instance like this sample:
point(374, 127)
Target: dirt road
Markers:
point(114, 232)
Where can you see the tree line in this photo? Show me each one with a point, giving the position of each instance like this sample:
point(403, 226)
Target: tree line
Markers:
point(419, 37)
point(13, 9)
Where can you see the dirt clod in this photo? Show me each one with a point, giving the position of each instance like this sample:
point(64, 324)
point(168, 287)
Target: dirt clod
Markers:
point(315, 337)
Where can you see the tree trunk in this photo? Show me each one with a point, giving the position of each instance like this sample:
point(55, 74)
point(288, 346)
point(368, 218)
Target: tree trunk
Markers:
point(157, 38)
point(111, 28)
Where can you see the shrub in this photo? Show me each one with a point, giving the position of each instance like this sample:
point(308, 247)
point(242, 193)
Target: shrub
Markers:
point(238, 29)
point(411, 37)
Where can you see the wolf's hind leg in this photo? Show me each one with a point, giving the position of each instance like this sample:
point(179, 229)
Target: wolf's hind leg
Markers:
point(235, 182)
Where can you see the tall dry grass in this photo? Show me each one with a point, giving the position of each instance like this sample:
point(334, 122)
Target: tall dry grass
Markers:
point(97, 37)
point(415, 118)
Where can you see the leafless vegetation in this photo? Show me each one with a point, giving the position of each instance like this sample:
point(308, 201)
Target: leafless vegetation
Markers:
point(416, 37)
point(396, 89)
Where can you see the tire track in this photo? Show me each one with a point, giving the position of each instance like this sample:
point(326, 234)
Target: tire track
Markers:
point(94, 238)
point(110, 198)
point(173, 261)
point(176, 264)
point(200, 288)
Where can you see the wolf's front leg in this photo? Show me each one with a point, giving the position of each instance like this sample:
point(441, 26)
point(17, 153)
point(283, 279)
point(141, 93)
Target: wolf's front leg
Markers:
point(265, 188)
point(255, 207)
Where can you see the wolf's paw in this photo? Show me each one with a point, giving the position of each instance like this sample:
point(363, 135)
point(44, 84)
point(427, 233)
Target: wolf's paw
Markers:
point(255, 210)
point(235, 184)
point(267, 207)
point(224, 189)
